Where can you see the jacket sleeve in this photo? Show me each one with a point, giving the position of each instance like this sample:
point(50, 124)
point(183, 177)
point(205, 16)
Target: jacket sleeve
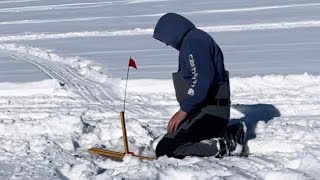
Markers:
point(198, 71)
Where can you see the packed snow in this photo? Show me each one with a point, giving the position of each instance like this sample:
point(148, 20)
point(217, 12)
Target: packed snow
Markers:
point(63, 65)
point(44, 87)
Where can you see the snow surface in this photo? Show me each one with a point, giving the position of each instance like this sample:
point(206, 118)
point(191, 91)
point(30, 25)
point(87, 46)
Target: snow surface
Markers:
point(61, 87)
point(44, 87)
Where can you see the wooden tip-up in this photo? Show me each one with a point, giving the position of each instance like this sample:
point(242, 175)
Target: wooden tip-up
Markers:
point(115, 154)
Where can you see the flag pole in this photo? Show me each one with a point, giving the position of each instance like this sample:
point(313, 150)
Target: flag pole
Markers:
point(123, 124)
point(125, 90)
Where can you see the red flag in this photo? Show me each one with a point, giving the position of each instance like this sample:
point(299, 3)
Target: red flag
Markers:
point(132, 63)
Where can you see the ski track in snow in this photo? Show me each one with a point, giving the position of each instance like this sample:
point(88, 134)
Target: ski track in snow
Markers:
point(235, 10)
point(92, 92)
point(53, 7)
point(67, 6)
point(149, 31)
point(18, 1)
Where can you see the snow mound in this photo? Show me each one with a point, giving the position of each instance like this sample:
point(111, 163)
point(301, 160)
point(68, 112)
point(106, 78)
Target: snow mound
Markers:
point(45, 87)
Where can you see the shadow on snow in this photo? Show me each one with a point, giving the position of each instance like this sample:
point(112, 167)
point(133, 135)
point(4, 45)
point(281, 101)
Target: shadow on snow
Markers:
point(255, 113)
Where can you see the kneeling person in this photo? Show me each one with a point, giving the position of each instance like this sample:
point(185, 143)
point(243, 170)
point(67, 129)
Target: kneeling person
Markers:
point(202, 88)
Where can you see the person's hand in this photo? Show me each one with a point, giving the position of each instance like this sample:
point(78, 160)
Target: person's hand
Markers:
point(176, 119)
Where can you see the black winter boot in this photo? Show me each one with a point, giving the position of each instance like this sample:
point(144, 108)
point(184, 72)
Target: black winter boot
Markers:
point(237, 132)
point(228, 147)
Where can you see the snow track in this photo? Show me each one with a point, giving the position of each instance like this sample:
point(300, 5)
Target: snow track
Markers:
point(90, 91)
point(55, 7)
point(17, 1)
point(149, 31)
point(65, 6)
point(235, 10)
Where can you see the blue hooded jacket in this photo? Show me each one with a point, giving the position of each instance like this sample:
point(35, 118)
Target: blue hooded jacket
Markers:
point(200, 59)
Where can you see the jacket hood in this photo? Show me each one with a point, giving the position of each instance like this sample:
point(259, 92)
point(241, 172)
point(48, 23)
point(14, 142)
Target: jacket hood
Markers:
point(171, 29)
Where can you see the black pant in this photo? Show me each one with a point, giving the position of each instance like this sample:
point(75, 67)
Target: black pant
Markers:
point(191, 132)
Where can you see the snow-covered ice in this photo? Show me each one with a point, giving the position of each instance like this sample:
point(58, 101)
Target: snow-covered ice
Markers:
point(61, 87)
